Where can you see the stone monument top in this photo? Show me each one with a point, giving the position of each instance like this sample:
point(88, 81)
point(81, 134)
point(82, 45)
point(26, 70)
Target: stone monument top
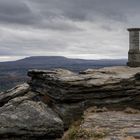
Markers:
point(133, 29)
point(134, 49)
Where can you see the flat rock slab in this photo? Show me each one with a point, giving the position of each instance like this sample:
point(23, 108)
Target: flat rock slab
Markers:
point(135, 132)
point(114, 124)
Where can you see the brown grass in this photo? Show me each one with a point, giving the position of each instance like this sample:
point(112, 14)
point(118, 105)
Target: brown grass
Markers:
point(131, 110)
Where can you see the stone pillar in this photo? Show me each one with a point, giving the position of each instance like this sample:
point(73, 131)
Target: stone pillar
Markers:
point(134, 50)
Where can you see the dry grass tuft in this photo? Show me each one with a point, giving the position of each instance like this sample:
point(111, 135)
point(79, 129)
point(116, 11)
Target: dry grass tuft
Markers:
point(129, 138)
point(76, 132)
point(131, 110)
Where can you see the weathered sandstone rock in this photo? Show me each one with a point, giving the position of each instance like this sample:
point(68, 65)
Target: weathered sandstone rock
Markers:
point(114, 124)
point(23, 118)
point(71, 93)
point(107, 86)
point(54, 99)
point(19, 90)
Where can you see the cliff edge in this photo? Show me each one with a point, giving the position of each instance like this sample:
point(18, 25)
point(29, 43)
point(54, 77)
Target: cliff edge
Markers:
point(53, 100)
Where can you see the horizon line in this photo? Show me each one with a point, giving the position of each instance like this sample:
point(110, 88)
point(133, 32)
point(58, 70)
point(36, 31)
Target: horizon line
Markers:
point(17, 58)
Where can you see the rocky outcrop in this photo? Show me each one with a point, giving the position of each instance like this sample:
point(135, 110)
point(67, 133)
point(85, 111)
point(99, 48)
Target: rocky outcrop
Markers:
point(105, 86)
point(18, 91)
point(54, 99)
point(22, 118)
point(71, 93)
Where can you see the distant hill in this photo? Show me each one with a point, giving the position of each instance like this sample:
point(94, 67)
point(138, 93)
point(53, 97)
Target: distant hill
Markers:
point(14, 72)
point(61, 62)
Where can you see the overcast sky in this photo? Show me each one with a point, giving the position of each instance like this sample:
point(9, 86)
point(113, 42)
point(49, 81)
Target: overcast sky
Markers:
point(90, 29)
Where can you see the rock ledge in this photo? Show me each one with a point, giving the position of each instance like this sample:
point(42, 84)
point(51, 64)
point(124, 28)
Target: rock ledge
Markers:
point(54, 99)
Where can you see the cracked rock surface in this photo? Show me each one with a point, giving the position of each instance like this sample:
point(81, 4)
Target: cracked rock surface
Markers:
point(115, 124)
point(23, 118)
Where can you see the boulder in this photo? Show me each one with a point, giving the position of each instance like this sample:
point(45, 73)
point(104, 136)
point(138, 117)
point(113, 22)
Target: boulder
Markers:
point(24, 118)
point(17, 91)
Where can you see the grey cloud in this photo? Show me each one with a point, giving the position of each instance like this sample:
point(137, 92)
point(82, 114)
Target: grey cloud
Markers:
point(41, 13)
point(81, 9)
point(66, 27)
point(20, 13)
point(58, 24)
point(36, 11)
point(15, 11)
